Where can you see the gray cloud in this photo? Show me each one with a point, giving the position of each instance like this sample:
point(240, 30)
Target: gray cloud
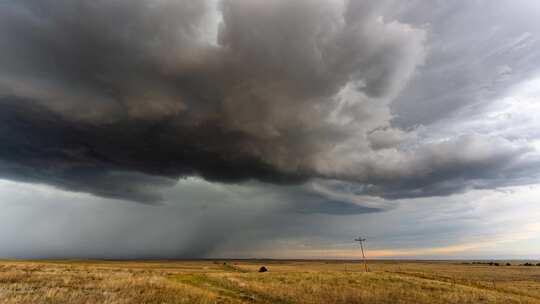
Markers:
point(445, 167)
point(129, 96)
point(478, 50)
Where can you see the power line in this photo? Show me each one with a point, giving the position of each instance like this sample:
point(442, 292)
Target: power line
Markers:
point(361, 241)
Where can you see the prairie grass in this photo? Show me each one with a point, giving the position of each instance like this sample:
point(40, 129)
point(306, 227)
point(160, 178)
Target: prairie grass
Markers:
point(116, 282)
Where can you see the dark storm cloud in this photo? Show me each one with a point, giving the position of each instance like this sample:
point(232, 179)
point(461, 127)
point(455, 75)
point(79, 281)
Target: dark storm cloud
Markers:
point(121, 98)
point(130, 159)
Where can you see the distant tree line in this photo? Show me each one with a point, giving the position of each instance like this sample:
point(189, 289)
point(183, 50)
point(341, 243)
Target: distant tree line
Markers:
point(507, 264)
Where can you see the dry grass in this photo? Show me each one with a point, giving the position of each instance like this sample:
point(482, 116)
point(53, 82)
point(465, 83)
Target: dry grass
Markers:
point(34, 283)
point(287, 282)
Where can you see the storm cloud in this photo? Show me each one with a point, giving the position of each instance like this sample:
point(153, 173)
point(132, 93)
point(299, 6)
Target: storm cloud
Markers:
point(122, 98)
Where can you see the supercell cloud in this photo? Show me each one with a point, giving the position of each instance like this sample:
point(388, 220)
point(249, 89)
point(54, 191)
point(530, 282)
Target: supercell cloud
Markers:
point(122, 98)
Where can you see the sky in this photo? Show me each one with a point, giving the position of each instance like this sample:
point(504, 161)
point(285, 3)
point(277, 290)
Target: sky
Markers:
point(269, 129)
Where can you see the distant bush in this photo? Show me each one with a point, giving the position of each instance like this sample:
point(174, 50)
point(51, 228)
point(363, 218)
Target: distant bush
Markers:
point(499, 264)
point(488, 263)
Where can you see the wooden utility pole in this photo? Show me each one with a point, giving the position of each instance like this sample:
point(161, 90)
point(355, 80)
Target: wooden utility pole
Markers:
point(361, 241)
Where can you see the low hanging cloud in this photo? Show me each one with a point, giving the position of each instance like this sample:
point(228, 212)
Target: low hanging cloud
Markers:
point(121, 98)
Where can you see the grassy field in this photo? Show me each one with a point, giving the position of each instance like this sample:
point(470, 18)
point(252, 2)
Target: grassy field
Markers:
point(286, 282)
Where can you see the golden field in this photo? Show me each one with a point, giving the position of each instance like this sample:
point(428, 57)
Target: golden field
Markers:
point(286, 282)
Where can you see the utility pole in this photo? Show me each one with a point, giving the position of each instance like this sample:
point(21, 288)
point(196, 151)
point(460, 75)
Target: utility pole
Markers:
point(361, 241)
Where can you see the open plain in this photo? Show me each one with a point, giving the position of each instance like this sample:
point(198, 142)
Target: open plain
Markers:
point(228, 281)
